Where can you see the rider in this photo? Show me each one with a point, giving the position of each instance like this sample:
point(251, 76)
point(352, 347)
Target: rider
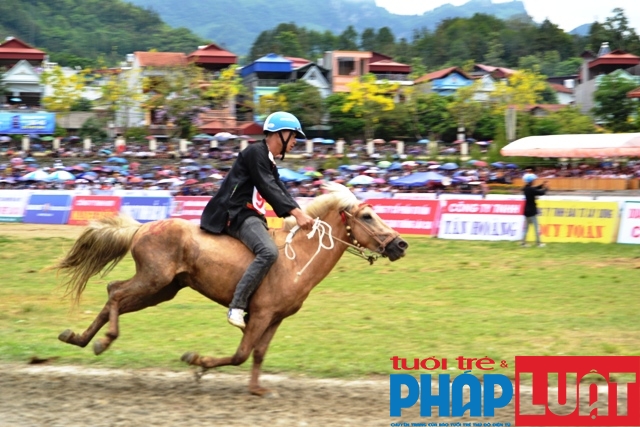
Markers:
point(237, 209)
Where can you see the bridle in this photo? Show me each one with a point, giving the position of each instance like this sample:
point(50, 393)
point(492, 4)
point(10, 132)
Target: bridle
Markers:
point(354, 247)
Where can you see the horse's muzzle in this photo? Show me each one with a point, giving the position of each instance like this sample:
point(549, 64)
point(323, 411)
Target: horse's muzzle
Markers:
point(395, 249)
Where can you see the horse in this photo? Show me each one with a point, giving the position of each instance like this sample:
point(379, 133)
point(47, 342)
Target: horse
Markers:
point(172, 254)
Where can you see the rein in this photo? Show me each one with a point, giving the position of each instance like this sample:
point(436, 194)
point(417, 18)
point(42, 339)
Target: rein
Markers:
point(354, 247)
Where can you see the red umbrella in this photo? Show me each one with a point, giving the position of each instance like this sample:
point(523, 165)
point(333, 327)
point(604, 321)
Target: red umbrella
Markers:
point(135, 179)
point(480, 163)
point(191, 181)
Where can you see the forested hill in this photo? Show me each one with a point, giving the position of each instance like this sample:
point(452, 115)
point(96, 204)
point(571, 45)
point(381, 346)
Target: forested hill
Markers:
point(78, 32)
point(235, 24)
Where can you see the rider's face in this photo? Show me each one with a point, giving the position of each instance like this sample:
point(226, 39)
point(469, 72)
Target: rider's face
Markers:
point(290, 136)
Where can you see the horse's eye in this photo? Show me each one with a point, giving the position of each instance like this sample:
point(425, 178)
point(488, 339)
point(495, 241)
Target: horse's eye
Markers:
point(367, 217)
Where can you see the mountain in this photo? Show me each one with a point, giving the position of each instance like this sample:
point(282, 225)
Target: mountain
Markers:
point(77, 32)
point(235, 24)
point(582, 30)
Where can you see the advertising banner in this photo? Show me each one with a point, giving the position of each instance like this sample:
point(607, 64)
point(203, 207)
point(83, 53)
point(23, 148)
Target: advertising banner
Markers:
point(189, 207)
point(481, 219)
point(90, 208)
point(408, 216)
point(146, 209)
point(629, 231)
point(12, 205)
point(577, 221)
point(48, 209)
point(27, 123)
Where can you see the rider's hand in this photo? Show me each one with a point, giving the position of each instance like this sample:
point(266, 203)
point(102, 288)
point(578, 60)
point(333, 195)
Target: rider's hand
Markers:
point(304, 221)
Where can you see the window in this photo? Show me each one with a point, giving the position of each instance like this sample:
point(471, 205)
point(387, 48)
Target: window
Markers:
point(346, 67)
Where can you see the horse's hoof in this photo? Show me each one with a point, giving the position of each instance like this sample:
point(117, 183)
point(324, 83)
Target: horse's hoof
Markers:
point(190, 358)
point(99, 347)
point(263, 392)
point(66, 336)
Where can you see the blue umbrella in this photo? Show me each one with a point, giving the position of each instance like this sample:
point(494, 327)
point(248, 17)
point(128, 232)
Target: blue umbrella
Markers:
point(449, 166)
point(418, 179)
point(148, 176)
point(38, 175)
point(424, 141)
point(105, 152)
point(61, 176)
point(30, 160)
point(511, 166)
point(287, 175)
point(89, 176)
point(361, 180)
point(328, 141)
point(319, 140)
point(121, 160)
point(498, 165)
point(395, 166)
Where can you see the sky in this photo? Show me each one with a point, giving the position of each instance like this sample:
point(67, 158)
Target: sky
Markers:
point(567, 14)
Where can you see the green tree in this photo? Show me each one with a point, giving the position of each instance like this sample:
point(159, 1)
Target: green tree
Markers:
point(93, 128)
point(385, 41)
point(289, 44)
point(495, 53)
point(345, 124)
point(464, 109)
point(368, 39)
point(613, 108)
point(348, 39)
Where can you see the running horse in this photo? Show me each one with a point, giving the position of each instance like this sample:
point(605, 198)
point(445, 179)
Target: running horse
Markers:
point(173, 254)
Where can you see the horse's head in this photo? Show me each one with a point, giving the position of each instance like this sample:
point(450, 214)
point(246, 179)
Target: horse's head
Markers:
point(366, 229)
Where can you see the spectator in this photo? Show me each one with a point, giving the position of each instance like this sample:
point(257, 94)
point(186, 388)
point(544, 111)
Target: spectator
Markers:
point(531, 208)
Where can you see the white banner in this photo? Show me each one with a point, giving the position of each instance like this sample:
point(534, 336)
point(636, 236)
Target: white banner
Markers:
point(481, 227)
point(629, 230)
point(12, 205)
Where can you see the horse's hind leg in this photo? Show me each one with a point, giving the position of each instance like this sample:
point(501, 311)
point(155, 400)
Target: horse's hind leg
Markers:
point(83, 339)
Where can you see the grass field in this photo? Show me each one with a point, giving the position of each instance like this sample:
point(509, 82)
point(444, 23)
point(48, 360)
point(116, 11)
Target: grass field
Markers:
point(444, 299)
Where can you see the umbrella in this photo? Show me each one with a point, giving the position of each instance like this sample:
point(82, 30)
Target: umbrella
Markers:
point(361, 180)
point(378, 141)
point(418, 179)
point(47, 138)
point(319, 140)
point(395, 166)
point(38, 175)
point(287, 175)
point(188, 161)
point(511, 166)
point(449, 166)
point(173, 181)
point(16, 161)
point(203, 136)
point(313, 174)
point(117, 160)
point(135, 180)
point(424, 141)
point(384, 164)
point(91, 176)
point(482, 143)
point(191, 181)
point(215, 176)
point(480, 164)
point(30, 160)
point(61, 176)
point(15, 99)
point(224, 136)
point(5, 139)
point(379, 181)
point(105, 152)
point(498, 165)
point(328, 141)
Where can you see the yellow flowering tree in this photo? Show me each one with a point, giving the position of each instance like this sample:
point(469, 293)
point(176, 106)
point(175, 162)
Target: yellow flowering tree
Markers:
point(224, 87)
point(65, 89)
point(367, 99)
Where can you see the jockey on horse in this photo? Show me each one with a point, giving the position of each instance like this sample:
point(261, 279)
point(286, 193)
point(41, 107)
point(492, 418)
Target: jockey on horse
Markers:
point(238, 207)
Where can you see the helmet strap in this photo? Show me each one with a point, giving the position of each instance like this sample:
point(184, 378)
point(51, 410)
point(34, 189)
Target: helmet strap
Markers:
point(284, 143)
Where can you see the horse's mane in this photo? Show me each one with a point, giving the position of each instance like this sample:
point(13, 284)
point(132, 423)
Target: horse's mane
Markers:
point(338, 197)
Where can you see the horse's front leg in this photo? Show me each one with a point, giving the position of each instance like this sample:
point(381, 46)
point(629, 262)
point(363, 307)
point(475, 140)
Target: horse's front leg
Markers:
point(255, 329)
point(258, 357)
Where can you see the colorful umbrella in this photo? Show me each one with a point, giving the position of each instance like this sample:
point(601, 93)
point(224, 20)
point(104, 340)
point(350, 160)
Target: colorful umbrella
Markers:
point(61, 175)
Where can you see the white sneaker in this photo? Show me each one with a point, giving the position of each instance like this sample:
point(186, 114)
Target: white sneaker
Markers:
point(236, 317)
point(541, 245)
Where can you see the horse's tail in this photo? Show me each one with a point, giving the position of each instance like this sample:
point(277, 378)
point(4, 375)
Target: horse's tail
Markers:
point(103, 242)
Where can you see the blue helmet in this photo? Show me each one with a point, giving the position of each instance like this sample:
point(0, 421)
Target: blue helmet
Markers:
point(281, 120)
point(528, 178)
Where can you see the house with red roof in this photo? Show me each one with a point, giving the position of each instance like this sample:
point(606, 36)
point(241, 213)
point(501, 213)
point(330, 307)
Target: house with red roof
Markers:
point(24, 66)
point(212, 57)
point(595, 66)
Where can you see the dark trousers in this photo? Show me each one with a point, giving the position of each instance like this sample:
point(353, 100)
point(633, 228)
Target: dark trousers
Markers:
point(254, 234)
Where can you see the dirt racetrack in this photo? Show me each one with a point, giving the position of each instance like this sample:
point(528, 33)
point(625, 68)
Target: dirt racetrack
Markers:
point(69, 396)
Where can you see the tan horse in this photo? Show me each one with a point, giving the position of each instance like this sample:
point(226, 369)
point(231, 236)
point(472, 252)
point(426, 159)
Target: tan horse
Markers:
point(174, 254)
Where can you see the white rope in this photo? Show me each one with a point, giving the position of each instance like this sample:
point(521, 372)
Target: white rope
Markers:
point(323, 230)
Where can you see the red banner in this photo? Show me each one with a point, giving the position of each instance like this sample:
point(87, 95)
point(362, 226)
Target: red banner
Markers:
point(408, 216)
point(90, 208)
point(189, 207)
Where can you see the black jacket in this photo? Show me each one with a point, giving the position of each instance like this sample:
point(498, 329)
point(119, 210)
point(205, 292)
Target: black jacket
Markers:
point(232, 204)
point(530, 193)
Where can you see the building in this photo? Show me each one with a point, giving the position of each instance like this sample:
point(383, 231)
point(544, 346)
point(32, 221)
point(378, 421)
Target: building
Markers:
point(311, 73)
point(345, 66)
point(22, 78)
point(386, 69)
point(212, 58)
point(444, 82)
point(595, 66)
